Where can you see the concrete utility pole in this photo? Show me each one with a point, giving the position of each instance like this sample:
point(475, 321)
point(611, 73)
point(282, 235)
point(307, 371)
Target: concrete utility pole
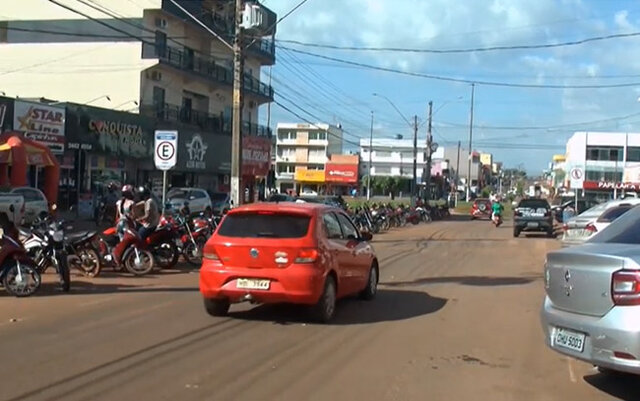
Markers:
point(427, 190)
point(236, 122)
point(473, 87)
point(415, 160)
point(370, 164)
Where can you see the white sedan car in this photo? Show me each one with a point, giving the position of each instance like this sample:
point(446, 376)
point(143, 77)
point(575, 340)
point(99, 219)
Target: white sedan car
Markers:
point(580, 228)
point(35, 202)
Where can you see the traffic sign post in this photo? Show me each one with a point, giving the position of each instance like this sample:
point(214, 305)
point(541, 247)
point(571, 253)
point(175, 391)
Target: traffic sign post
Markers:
point(576, 176)
point(165, 156)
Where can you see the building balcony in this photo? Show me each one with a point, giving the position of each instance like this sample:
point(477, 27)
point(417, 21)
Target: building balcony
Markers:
point(263, 49)
point(206, 121)
point(285, 176)
point(207, 68)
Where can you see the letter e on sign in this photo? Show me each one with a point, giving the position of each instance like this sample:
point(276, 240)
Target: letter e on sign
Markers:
point(165, 155)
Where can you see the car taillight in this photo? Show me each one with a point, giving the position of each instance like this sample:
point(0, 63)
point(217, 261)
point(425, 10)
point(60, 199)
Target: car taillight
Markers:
point(565, 227)
point(517, 213)
point(591, 228)
point(625, 287)
point(307, 256)
point(210, 254)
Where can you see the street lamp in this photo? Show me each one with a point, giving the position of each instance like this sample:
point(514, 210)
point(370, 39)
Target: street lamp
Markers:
point(415, 143)
point(98, 98)
point(127, 102)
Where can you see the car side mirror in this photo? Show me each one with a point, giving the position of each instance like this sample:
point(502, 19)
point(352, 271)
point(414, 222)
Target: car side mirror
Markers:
point(366, 236)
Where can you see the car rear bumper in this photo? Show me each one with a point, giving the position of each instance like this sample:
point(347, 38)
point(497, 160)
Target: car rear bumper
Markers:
point(573, 241)
point(526, 225)
point(480, 215)
point(299, 284)
point(617, 331)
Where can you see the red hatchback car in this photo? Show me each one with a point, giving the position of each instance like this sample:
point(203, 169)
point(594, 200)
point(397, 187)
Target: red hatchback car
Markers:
point(301, 253)
point(481, 209)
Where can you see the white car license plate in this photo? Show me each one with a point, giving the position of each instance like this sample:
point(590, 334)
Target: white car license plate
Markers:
point(532, 225)
point(568, 339)
point(252, 284)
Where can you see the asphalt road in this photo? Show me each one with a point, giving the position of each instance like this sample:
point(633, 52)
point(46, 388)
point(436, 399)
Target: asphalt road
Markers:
point(456, 318)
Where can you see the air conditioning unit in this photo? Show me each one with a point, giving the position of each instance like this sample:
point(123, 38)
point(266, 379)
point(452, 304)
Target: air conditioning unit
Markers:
point(156, 76)
point(162, 23)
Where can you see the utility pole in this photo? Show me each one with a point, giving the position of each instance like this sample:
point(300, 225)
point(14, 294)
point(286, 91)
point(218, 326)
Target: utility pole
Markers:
point(473, 87)
point(236, 122)
point(458, 171)
point(427, 190)
point(370, 152)
point(415, 160)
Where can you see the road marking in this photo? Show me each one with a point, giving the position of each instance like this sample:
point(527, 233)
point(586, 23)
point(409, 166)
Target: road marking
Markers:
point(572, 375)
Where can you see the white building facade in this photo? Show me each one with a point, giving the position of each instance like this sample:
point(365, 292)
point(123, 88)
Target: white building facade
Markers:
point(391, 158)
point(301, 155)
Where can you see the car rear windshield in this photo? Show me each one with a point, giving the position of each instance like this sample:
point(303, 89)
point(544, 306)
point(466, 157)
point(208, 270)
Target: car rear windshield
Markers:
point(534, 204)
point(264, 225)
point(217, 196)
point(613, 213)
point(176, 193)
point(621, 231)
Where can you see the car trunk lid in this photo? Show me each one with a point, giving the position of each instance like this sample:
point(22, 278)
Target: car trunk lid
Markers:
point(261, 240)
point(578, 279)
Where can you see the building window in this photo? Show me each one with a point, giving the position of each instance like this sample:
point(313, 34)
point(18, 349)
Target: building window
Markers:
point(161, 44)
point(633, 154)
point(611, 176)
point(382, 170)
point(318, 167)
point(287, 152)
point(317, 136)
point(317, 154)
point(285, 135)
point(381, 153)
point(286, 168)
point(604, 153)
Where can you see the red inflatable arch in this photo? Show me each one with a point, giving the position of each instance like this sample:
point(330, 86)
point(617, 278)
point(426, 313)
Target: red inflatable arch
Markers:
point(19, 153)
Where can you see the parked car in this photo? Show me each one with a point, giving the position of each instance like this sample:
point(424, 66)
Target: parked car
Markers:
point(35, 203)
point(609, 216)
point(591, 309)
point(198, 199)
point(533, 214)
point(300, 253)
point(481, 209)
point(13, 206)
point(579, 228)
point(220, 201)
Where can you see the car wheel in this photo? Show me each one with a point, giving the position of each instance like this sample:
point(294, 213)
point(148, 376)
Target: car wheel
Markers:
point(217, 307)
point(551, 234)
point(371, 289)
point(324, 310)
point(516, 233)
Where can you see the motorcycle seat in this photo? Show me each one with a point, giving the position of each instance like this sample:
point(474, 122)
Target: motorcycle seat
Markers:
point(24, 232)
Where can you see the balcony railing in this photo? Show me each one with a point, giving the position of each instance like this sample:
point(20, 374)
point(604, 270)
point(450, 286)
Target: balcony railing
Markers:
point(204, 120)
point(220, 24)
point(208, 68)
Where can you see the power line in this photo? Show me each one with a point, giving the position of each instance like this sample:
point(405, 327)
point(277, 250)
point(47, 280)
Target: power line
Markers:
point(460, 80)
point(280, 19)
point(468, 50)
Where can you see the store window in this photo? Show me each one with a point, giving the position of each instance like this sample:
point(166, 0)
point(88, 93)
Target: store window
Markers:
point(633, 154)
point(610, 176)
point(604, 153)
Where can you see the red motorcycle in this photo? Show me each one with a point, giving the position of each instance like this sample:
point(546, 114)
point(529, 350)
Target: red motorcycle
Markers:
point(192, 235)
point(162, 244)
point(130, 253)
point(18, 272)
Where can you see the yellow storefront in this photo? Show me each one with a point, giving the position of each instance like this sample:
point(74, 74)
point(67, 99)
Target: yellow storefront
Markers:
point(309, 182)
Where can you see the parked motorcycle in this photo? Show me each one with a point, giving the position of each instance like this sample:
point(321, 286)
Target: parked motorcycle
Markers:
point(18, 273)
point(162, 244)
point(45, 244)
point(192, 236)
point(83, 253)
point(130, 253)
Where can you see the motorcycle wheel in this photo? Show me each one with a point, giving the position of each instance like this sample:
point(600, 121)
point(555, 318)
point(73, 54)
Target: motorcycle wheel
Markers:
point(193, 252)
point(65, 275)
point(86, 262)
point(28, 284)
point(166, 255)
point(139, 267)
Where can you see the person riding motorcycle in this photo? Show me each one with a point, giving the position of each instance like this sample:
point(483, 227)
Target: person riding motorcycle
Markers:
point(496, 208)
point(123, 209)
point(151, 216)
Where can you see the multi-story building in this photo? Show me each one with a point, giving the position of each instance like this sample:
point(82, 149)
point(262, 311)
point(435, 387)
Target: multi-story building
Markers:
point(147, 56)
point(608, 160)
point(391, 158)
point(302, 153)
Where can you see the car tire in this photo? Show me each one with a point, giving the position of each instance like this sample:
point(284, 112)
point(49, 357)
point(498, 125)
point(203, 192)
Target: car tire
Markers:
point(551, 234)
point(516, 233)
point(324, 310)
point(217, 307)
point(371, 289)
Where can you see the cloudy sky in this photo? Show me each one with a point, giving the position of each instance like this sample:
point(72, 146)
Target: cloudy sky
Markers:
point(520, 126)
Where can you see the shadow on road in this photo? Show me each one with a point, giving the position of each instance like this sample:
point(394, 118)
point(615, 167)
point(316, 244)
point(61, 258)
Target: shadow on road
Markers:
point(619, 385)
point(85, 287)
point(389, 305)
point(477, 281)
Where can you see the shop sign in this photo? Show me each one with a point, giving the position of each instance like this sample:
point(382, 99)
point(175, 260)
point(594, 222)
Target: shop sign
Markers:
point(310, 175)
point(610, 186)
point(41, 123)
point(196, 151)
point(342, 173)
point(256, 156)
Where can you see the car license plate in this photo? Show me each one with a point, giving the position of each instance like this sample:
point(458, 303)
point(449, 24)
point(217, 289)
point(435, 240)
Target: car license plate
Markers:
point(252, 284)
point(568, 339)
point(576, 232)
point(532, 225)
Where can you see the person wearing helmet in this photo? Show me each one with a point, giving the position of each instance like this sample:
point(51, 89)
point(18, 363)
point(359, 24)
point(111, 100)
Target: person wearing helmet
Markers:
point(151, 216)
point(123, 209)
